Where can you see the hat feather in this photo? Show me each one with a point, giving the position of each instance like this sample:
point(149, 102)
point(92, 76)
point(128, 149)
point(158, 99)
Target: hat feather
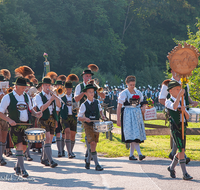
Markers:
point(93, 67)
point(72, 77)
point(23, 71)
point(31, 76)
point(52, 75)
point(62, 77)
point(34, 81)
point(166, 82)
point(5, 73)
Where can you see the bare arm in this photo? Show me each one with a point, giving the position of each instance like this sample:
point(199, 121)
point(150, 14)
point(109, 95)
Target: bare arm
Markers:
point(79, 97)
point(194, 103)
point(119, 106)
point(84, 119)
point(10, 121)
point(102, 95)
point(162, 101)
point(176, 103)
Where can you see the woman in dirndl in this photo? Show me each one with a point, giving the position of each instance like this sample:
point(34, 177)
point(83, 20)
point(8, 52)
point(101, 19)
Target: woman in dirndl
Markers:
point(130, 107)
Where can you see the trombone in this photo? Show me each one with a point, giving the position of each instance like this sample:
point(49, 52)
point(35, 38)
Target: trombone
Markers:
point(95, 82)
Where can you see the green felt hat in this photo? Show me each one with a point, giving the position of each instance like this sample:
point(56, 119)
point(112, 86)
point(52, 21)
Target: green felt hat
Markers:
point(89, 86)
point(68, 84)
point(59, 82)
point(20, 81)
point(169, 70)
point(46, 80)
point(172, 84)
point(87, 71)
point(38, 85)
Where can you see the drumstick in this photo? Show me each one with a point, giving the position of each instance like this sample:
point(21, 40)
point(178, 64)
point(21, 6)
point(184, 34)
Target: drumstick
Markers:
point(24, 124)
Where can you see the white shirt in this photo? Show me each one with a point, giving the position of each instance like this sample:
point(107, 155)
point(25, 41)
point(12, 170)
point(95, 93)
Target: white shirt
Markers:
point(163, 93)
point(69, 100)
point(39, 103)
point(82, 108)
point(122, 95)
point(78, 89)
point(170, 105)
point(5, 102)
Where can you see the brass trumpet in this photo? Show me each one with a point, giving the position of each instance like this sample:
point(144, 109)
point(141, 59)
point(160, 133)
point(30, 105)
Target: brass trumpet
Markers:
point(95, 82)
point(9, 90)
point(53, 92)
point(60, 91)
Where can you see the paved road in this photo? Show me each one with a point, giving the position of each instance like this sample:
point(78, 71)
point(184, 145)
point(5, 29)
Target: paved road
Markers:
point(118, 174)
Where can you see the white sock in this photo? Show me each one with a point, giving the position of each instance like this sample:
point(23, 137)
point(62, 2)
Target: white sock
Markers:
point(137, 147)
point(132, 148)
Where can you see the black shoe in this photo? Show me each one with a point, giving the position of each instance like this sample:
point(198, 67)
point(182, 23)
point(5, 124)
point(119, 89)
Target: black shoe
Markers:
point(172, 172)
point(2, 162)
point(70, 156)
point(59, 154)
point(132, 158)
point(39, 150)
point(187, 177)
point(53, 164)
point(141, 157)
point(63, 153)
point(99, 168)
point(28, 158)
point(73, 155)
point(24, 173)
point(87, 165)
point(45, 162)
point(187, 160)
point(171, 156)
point(17, 170)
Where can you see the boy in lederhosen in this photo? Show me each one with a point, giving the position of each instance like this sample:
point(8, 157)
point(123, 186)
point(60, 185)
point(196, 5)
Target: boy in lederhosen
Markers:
point(92, 110)
point(69, 119)
point(173, 104)
point(19, 108)
point(48, 104)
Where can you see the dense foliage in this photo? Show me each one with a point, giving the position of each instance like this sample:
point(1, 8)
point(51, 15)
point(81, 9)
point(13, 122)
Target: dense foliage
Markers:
point(122, 37)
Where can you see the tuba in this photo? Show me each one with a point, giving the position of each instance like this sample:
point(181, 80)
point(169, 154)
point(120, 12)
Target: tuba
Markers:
point(95, 83)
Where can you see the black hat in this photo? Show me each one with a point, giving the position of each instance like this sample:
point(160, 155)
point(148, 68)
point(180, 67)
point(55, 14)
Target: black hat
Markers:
point(87, 71)
point(169, 70)
point(2, 78)
point(38, 85)
point(172, 84)
point(89, 86)
point(46, 80)
point(68, 84)
point(59, 82)
point(20, 81)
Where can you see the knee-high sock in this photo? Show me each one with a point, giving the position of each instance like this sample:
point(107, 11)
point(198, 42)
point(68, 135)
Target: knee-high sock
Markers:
point(137, 147)
point(72, 145)
point(1, 151)
point(3, 147)
point(174, 163)
point(89, 156)
point(88, 145)
point(94, 155)
point(68, 145)
point(58, 142)
point(20, 158)
point(132, 148)
point(44, 156)
point(47, 149)
point(62, 143)
point(27, 150)
point(174, 148)
point(183, 166)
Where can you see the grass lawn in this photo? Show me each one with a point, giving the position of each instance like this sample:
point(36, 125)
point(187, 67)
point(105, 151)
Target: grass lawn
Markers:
point(154, 146)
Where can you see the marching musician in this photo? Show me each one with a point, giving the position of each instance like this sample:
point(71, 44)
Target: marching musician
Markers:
point(5, 74)
point(80, 96)
point(91, 110)
point(18, 114)
point(48, 104)
point(69, 119)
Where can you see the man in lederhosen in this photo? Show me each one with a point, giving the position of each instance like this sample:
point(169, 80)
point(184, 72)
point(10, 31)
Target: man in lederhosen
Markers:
point(81, 97)
point(48, 104)
point(19, 109)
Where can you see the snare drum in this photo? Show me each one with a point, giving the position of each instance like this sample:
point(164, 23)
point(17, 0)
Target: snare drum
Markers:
point(103, 126)
point(35, 135)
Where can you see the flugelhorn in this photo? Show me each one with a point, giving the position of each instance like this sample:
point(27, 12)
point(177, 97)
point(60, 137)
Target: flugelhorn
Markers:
point(95, 82)
point(60, 91)
point(9, 90)
point(55, 94)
